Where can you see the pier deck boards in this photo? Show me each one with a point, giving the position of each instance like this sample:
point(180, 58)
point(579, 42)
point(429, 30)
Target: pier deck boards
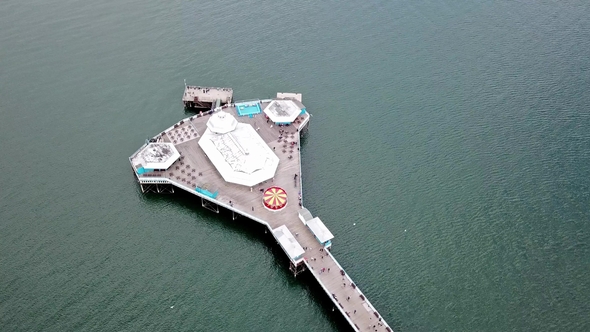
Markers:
point(207, 94)
point(247, 201)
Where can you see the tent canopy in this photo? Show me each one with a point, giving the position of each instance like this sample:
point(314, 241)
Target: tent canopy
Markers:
point(274, 198)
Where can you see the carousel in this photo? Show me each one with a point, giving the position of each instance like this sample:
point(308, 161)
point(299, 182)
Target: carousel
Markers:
point(274, 198)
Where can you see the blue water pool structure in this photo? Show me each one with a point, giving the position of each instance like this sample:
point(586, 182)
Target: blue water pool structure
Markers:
point(248, 108)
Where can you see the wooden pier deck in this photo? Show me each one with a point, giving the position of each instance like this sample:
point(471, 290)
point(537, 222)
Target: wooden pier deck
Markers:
point(203, 97)
point(194, 169)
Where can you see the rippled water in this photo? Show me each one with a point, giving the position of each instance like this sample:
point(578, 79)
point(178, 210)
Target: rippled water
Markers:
point(455, 134)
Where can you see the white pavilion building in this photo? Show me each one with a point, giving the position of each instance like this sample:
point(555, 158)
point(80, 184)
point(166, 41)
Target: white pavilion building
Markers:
point(155, 157)
point(282, 111)
point(236, 150)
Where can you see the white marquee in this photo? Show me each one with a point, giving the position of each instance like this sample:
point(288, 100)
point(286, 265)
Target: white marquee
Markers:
point(241, 156)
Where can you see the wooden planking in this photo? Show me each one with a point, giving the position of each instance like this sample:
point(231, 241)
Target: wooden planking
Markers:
point(207, 94)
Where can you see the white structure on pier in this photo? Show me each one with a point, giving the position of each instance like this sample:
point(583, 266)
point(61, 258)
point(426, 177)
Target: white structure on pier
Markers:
point(320, 231)
point(236, 150)
point(304, 215)
point(222, 123)
point(282, 111)
point(155, 156)
point(289, 243)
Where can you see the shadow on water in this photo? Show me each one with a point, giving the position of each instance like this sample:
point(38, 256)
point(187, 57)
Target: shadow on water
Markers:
point(191, 111)
point(256, 232)
point(303, 137)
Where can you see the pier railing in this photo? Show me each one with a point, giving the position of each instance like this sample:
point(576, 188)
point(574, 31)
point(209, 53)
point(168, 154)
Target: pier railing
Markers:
point(361, 294)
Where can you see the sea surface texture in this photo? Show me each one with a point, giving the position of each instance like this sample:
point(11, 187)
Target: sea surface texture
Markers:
point(449, 153)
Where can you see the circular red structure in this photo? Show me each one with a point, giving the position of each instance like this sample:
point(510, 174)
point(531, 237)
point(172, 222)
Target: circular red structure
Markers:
point(274, 198)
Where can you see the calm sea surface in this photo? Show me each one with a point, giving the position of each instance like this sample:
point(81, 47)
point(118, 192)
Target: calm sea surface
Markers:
point(455, 134)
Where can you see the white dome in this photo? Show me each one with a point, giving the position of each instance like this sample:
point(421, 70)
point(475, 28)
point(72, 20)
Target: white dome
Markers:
point(222, 122)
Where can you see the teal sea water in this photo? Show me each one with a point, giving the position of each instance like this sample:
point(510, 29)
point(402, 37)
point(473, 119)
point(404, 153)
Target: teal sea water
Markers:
point(455, 134)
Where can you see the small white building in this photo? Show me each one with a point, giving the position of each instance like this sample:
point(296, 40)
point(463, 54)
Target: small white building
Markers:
point(321, 232)
point(155, 156)
point(304, 215)
point(289, 243)
point(282, 111)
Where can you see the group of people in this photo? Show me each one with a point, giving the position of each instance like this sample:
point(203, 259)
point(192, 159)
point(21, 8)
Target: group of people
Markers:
point(204, 90)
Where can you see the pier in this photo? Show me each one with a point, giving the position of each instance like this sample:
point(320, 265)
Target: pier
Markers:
point(206, 97)
point(245, 157)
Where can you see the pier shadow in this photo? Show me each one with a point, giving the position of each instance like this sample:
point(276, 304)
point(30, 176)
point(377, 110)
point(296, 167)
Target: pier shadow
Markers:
point(303, 137)
point(191, 111)
point(257, 232)
point(189, 202)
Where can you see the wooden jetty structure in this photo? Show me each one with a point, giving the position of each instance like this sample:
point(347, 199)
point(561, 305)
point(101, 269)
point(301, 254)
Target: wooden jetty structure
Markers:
point(245, 157)
point(197, 97)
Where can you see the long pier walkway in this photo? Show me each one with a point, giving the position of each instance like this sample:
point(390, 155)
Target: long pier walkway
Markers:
point(195, 173)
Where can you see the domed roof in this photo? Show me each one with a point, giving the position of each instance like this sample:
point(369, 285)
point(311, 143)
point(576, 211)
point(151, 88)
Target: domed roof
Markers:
point(222, 122)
